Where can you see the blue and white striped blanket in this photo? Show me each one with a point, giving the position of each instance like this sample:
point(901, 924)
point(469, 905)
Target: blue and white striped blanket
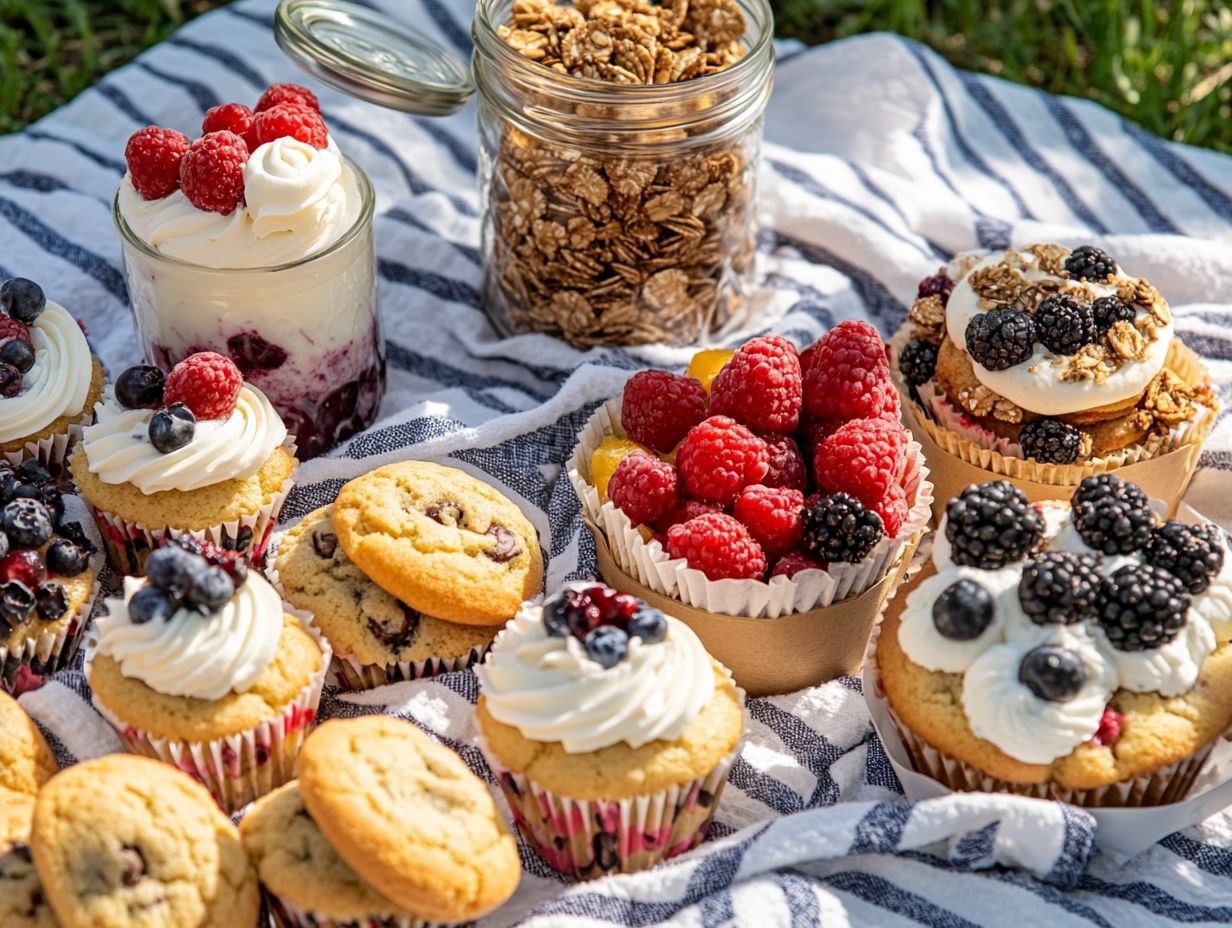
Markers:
point(881, 161)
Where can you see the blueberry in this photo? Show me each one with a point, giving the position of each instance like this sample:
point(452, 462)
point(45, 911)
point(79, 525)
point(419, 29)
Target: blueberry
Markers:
point(140, 387)
point(606, 645)
point(648, 624)
point(171, 568)
point(10, 381)
point(210, 589)
point(172, 428)
point(1052, 673)
point(16, 602)
point(50, 601)
point(556, 614)
point(22, 299)
point(150, 603)
point(17, 353)
point(963, 611)
point(26, 522)
point(33, 471)
point(77, 535)
point(65, 558)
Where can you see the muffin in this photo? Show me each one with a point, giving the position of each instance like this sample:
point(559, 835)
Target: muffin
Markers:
point(193, 452)
point(49, 378)
point(199, 666)
point(610, 729)
point(376, 638)
point(26, 762)
point(23, 904)
point(1069, 650)
point(1046, 366)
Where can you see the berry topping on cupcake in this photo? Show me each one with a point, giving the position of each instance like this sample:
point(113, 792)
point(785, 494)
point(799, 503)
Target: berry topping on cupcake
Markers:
point(1191, 553)
point(180, 576)
point(1052, 673)
point(1112, 516)
point(603, 620)
point(839, 528)
point(1142, 607)
point(21, 303)
point(963, 611)
point(991, 524)
point(207, 383)
point(1000, 338)
point(1060, 587)
point(1086, 262)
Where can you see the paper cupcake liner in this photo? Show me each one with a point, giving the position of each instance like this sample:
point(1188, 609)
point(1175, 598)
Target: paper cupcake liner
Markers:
point(651, 566)
point(53, 450)
point(286, 915)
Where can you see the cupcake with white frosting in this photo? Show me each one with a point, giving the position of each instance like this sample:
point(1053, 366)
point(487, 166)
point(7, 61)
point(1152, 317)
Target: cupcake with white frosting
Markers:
point(198, 665)
point(194, 452)
point(610, 729)
point(49, 378)
point(1077, 651)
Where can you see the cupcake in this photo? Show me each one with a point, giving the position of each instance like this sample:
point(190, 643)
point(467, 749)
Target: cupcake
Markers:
point(26, 762)
point(774, 510)
point(1047, 366)
point(199, 666)
point(49, 379)
point(376, 637)
point(23, 904)
point(48, 575)
point(610, 729)
point(1069, 650)
point(194, 452)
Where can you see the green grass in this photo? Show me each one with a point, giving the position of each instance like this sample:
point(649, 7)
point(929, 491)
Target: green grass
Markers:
point(1166, 65)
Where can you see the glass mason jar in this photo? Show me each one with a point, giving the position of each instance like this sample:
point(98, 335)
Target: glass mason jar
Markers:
point(308, 333)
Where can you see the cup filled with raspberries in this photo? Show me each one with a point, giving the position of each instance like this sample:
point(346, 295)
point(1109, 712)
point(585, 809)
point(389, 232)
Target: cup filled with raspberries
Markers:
point(769, 497)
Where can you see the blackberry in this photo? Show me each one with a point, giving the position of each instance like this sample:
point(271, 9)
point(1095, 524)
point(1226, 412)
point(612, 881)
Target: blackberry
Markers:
point(1063, 325)
point(16, 602)
point(991, 524)
point(1050, 441)
point(839, 528)
point(1000, 338)
point(65, 558)
point(1142, 607)
point(918, 362)
point(963, 611)
point(1191, 553)
point(50, 601)
point(1052, 673)
point(1112, 516)
point(1060, 588)
point(939, 285)
point(1087, 262)
point(1109, 310)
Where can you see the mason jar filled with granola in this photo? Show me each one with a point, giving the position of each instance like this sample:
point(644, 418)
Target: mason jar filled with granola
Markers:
point(619, 142)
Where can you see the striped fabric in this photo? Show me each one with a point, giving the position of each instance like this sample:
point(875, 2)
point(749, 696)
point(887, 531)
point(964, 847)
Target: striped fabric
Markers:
point(880, 162)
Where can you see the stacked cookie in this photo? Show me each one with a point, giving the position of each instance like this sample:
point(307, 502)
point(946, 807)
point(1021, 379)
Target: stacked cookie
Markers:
point(411, 572)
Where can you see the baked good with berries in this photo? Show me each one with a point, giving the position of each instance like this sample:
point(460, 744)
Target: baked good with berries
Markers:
point(196, 451)
point(599, 704)
point(26, 762)
point(376, 637)
point(1047, 365)
point(199, 665)
point(1072, 650)
point(23, 902)
point(49, 377)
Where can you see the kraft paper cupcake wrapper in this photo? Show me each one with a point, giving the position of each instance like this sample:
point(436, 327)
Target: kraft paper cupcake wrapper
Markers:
point(288, 916)
point(53, 450)
point(651, 566)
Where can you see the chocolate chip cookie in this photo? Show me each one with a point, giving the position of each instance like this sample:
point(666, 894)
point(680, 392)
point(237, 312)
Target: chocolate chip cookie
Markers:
point(441, 541)
point(26, 762)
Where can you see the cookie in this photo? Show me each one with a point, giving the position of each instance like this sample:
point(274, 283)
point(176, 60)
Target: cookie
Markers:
point(23, 904)
point(441, 541)
point(364, 623)
point(26, 762)
point(297, 864)
point(129, 842)
point(409, 816)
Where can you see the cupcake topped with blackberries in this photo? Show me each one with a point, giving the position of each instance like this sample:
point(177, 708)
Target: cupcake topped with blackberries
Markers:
point(1073, 650)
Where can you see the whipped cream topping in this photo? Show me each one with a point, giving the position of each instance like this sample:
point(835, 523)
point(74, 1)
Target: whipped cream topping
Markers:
point(1215, 602)
point(1036, 384)
point(918, 633)
point(1169, 670)
point(551, 691)
point(118, 448)
point(59, 382)
point(299, 200)
point(194, 655)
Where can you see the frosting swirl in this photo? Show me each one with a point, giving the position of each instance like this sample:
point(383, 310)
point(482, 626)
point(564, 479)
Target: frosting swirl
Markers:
point(551, 691)
point(1169, 670)
point(118, 448)
point(918, 634)
point(194, 655)
point(1215, 602)
point(299, 200)
point(59, 382)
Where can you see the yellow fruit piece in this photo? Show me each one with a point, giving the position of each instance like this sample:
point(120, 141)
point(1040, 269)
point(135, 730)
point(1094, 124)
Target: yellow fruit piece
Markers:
point(603, 460)
point(646, 533)
point(707, 363)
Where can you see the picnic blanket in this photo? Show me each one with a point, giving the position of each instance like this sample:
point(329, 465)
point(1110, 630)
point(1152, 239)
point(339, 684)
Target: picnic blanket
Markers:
point(880, 162)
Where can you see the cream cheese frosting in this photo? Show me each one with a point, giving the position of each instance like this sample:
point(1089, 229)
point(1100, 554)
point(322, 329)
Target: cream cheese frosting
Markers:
point(551, 691)
point(1170, 669)
point(1215, 602)
point(59, 382)
point(918, 633)
point(118, 449)
point(298, 200)
point(194, 655)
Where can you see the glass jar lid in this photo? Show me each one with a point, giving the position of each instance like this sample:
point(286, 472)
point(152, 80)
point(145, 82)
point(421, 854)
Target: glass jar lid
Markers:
point(370, 55)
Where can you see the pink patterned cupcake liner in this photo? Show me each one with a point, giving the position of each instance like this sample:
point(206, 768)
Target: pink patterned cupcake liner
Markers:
point(288, 916)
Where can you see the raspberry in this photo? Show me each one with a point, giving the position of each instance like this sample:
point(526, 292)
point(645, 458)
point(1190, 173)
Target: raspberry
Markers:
point(838, 528)
point(761, 386)
point(772, 516)
point(683, 511)
point(206, 383)
point(786, 466)
point(849, 377)
point(1112, 516)
point(11, 328)
point(718, 546)
point(1087, 262)
point(229, 117)
point(991, 524)
point(893, 509)
point(212, 172)
point(814, 431)
point(1000, 338)
point(153, 156)
point(719, 458)
point(1109, 731)
point(791, 564)
point(291, 119)
point(807, 355)
point(1064, 325)
point(865, 458)
point(939, 285)
point(606, 458)
point(287, 93)
point(659, 408)
point(643, 487)
point(706, 364)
